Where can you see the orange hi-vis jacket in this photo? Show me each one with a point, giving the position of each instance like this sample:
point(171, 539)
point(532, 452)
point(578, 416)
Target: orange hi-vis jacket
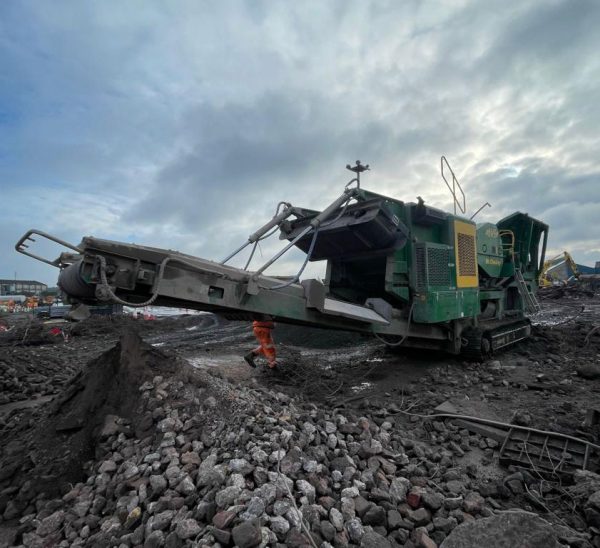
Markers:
point(262, 331)
point(266, 325)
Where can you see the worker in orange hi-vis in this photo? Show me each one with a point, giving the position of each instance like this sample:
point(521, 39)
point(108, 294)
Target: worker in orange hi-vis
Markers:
point(262, 331)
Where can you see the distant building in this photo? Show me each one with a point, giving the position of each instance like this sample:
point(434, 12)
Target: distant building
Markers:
point(21, 287)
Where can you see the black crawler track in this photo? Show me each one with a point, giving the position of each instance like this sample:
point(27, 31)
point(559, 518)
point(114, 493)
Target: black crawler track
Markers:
point(481, 343)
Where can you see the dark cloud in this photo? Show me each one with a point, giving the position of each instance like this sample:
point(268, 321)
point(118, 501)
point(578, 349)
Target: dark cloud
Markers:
point(245, 158)
point(183, 127)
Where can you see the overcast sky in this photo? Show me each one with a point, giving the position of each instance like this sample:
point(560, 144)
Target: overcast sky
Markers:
point(183, 124)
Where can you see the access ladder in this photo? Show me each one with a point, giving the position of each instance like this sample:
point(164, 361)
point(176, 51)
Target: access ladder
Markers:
point(531, 302)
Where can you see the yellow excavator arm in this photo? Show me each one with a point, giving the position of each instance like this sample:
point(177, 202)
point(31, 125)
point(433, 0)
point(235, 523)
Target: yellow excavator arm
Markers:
point(559, 270)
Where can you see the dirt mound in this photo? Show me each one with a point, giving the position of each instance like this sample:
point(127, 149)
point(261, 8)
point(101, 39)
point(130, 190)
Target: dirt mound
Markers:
point(115, 325)
point(568, 340)
point(52, 453)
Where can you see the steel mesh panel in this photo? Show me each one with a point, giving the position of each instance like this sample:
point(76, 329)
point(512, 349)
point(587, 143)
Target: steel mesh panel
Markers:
point(467, 262)
point(438, 272)
point(421, 272)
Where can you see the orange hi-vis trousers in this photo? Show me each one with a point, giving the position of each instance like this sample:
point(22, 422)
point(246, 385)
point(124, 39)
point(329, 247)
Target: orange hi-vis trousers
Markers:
point(262, 331)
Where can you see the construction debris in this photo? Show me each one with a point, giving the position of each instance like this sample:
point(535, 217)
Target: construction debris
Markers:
point(164, 437)
point(504, 530)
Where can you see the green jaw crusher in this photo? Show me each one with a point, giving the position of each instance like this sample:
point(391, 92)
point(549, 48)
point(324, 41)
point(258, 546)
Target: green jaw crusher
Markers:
point(410, 274)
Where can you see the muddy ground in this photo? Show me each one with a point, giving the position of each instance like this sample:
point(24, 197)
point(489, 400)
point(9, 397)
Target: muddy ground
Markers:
point(47, 385)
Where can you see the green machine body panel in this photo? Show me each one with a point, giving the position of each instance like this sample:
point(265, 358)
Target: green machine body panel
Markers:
point(530, 239)
point(443, 306)
point(490, 254)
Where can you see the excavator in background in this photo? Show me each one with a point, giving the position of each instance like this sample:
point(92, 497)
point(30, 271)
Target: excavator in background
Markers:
point(562, 270)
point(407, 273)
point(559, 270)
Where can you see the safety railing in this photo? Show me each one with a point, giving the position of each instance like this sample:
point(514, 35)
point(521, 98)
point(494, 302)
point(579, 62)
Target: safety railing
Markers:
point(508, 248)
point(454, 187)
point(22, 247)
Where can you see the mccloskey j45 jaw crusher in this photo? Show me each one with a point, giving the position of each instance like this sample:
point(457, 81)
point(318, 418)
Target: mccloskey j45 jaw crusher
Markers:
point(410, 274)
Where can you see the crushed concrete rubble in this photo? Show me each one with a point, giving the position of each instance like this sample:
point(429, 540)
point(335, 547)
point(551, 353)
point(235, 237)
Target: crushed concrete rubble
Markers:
point(142, 447)
point(504, 531)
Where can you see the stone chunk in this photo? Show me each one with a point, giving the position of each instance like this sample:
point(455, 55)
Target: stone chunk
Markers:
point(227, 496)
point(51, 523)
point(306, 489)
point(158, 484)
point(422, 539)
point(187, 528)
point(473, 503)
point(371, 539)
point(222, 520)
point(594, 500)
point(355, 530)
point(208, 474)
point(503, 531)
point(375, 516)
point(240, 466)
point(336, 518)
point(432, 500)
point(444, 524)
point(398, 489)
point(421, 516)
point(162, 520)
point(222, 537)
point(190, 457)
point(107, 466)
point(279, 525)
point(155, 540)
point(247, 535)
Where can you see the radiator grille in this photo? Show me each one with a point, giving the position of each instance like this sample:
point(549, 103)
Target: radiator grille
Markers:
point(467, 264)
point(421, 271)
point(432, 266)
point(438, 272)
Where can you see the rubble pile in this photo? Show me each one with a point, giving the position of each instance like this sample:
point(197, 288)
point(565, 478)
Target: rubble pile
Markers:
point(572, 291)
point(31, 372)
point(28, 370)
point(160, 454)
point(26, 332)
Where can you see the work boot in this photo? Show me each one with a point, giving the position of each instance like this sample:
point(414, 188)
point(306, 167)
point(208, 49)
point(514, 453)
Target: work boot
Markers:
point(250, 359)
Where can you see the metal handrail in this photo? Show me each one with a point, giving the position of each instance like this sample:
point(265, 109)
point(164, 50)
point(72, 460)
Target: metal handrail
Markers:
point(510, 246)
point(455, 185)
point(21, 246)
point(487, 204)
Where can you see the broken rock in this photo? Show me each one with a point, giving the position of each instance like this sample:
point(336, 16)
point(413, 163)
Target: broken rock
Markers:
point(503, 531)
point(247, 535)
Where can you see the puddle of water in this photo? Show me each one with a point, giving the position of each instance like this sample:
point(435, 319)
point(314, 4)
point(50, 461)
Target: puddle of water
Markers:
point(200, 363)
point(217, 361)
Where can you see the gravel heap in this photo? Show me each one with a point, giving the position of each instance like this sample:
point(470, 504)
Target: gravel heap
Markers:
point(187, 459)
point(30, 372)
